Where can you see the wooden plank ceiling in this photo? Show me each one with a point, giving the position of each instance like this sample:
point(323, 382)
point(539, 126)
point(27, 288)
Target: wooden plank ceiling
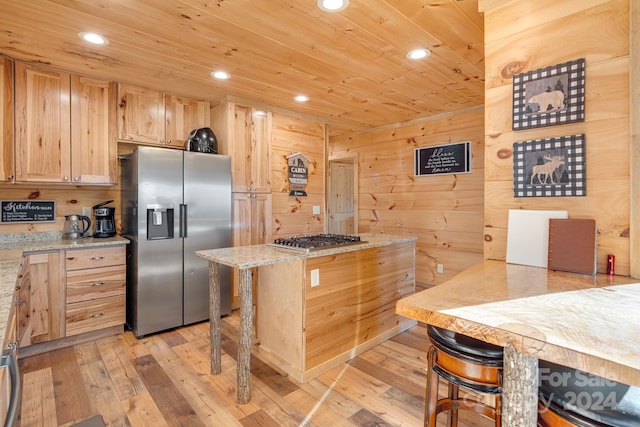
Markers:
point(352, 64)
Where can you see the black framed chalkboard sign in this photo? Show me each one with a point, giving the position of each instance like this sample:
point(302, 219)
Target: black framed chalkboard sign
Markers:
point(27, 211)
point(443, 159)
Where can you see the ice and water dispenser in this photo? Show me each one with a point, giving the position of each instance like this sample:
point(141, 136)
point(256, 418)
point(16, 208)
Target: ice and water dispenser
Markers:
point(160, 221)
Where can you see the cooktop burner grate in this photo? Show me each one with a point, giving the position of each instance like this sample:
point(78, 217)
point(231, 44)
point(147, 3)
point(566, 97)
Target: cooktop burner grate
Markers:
point(315, 242)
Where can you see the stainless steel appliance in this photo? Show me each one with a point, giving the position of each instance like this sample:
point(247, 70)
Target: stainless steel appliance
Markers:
point(105, 224)
point(314, 242)
point(173, 203)
point(75, 226)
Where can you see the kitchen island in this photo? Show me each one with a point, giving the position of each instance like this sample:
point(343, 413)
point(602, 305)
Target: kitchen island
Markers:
point(315, 310)
point(585, 322)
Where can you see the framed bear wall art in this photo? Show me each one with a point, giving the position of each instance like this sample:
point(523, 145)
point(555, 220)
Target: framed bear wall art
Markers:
point(549, 96)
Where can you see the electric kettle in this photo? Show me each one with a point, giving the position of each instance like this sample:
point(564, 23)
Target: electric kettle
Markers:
point(75, 226)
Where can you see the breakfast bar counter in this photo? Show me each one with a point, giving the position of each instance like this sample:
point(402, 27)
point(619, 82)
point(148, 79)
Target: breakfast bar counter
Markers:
point(585, 322)
point(316, 309)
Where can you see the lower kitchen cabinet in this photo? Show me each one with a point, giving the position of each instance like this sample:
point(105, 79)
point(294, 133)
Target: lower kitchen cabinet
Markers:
point(95, 281)
point(66, 293)
point(42, 294)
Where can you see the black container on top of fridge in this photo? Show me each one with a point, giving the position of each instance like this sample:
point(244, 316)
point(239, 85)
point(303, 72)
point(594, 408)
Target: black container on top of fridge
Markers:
point(173, 203)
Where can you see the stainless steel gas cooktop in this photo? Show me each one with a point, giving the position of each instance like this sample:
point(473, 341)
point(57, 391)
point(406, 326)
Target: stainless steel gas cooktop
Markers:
point(315, 242)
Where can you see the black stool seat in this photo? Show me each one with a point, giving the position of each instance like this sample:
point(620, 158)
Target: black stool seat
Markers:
point(576, 395)
point(465, 344)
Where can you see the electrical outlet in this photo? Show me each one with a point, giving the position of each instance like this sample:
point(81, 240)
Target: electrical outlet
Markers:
point(440, 268)
point(315, 277)
point(316, 210)
point(86, 211)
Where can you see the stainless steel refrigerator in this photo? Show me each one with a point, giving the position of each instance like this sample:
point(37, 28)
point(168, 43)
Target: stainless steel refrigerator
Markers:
point(173, 203)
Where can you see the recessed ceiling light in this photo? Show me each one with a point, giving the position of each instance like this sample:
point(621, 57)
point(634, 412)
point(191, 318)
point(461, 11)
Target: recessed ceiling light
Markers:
point(418, 53)
point(301, 98)
point(93, 38)
point(260, 113)
point(221, 75)
point(333, 5)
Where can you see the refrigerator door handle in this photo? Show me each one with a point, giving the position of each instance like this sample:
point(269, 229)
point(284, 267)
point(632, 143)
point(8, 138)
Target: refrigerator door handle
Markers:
point(183, 220)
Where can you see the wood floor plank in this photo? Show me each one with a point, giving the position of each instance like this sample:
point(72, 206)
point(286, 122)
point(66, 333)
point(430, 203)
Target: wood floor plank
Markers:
point(101, 393)
point(72, 402)
point(164, 380)
point(142, 411)
point(312, 407)
point(125, 378)
point(196, 356)
point(366, 391)
point(174, 407)
point(38, 406)
point(188, 383)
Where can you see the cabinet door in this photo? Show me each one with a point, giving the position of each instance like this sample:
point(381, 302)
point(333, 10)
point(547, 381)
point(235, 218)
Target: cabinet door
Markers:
point(261, 151)
point(43, 124)
point(182, 115)
point(6, 120)
point(46, 299)
point(93, 142)
point(140, 115)
point(250, 150)
point(251, 219)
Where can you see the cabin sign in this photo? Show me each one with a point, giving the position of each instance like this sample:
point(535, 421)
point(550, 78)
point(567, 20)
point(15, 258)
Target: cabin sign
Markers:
point(298, 171)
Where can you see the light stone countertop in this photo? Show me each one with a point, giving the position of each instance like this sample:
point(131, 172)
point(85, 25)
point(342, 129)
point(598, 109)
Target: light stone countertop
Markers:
point(585, 322)
point(258, 255)
point(14, 245)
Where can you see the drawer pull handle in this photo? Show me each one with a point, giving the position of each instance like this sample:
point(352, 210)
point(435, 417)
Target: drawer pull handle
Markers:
point(97, 315)
point(97, 284)
point(95, 258)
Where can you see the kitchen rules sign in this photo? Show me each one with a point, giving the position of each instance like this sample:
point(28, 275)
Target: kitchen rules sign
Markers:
point(298, 167)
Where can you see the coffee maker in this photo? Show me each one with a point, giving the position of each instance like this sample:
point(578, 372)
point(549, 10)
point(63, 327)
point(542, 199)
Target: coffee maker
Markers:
point(105, 225)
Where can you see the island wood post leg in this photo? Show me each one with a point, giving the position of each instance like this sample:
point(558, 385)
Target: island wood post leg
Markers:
point(214, 316)
point(519, 389)
point(244, 342)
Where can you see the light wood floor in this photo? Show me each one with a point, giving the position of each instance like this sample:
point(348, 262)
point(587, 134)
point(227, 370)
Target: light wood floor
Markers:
point(164, 380)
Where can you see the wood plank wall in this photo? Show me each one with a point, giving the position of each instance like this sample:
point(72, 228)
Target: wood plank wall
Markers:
point(69, 200)
point(526, 35)
point(444, 212)
point(294, 215)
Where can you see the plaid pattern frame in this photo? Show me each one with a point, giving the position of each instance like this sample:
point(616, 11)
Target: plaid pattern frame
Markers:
point(568, 78)
point(567, 178)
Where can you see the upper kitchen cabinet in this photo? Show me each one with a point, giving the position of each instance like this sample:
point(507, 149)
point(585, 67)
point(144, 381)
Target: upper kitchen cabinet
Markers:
point(93, 131)
point(65, 127)
point(150, 117)
point(244, 133)
point(6, 120)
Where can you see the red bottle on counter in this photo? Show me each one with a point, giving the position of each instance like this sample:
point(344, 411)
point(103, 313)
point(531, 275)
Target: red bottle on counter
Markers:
point(611, 263)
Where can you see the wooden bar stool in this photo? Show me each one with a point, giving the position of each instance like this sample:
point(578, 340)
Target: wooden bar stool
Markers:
point(570, 397)
point(463, 362)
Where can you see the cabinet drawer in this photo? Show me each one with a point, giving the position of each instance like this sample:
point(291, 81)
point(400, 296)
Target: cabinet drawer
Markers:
point(91, 258)
point(84, 285)
point(93, 315)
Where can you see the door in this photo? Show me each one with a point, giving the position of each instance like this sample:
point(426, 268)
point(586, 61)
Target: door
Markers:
point(206, 225)
point(342, 203)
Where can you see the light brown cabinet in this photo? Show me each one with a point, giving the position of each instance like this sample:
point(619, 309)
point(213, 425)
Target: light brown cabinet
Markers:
point(6, 120)
point(244, 133)
point(251, 218)
point(65, 293)
point(42, 293)
point(150, 117)
point(95, 285)
point(65, 127)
